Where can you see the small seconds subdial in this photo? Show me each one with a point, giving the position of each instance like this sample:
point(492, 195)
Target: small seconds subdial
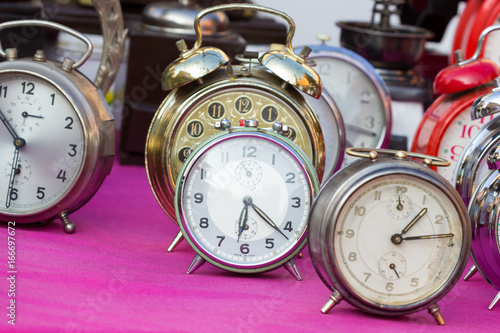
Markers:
point(248, 173)
point(392, 266)
point(399, 207)
point(249, 230)
point(23, 171)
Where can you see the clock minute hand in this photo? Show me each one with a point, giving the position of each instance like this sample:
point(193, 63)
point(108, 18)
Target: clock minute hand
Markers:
point(266, 218)
point(429, 236)
point(8, 125)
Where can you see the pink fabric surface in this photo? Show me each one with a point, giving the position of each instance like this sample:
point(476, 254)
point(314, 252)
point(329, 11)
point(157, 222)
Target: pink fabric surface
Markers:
point(115, 275)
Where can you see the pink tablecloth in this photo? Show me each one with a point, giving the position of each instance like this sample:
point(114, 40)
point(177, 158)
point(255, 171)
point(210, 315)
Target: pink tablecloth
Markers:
point(115, 275)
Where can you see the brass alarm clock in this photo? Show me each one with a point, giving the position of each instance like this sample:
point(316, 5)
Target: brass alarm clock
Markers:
point(207, 89)
point(57, 135)
point(389, 235)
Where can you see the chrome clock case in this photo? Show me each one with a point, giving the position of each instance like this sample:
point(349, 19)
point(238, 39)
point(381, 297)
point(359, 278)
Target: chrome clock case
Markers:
point(93, 115)
point(484, 210)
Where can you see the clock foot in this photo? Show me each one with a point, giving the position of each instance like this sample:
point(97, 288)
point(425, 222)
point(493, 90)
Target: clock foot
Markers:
point(69, 227)
point(291, 267)
point(495, 301)
point(178, 238)
point(434, 311)
point(470, 273)
point(335, 299)
point(195, 264)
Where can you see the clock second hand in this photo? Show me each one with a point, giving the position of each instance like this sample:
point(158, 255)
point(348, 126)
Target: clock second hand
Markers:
point(13, 174)
point(243, 217)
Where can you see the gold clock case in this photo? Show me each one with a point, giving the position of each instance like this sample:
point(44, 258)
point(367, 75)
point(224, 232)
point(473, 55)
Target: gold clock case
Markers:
point(172, 114)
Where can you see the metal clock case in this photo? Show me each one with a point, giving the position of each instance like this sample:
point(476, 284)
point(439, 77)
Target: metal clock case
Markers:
point(484, 210)
point(447, 126)
point(209, 89)
point(359, 92)
point(243, 199)
point(57, 135)
point(472, 165)
point(389, 235)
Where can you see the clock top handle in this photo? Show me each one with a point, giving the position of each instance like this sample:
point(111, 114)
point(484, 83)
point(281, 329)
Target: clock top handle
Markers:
point(243, 6)
point(26, 23)
point(373, 154)
point(480, 43)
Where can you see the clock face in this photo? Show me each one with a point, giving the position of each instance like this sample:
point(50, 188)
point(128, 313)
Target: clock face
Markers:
point(459, 132)
point(234, 104)
point(397, 241)
point(358, 98)
point(51, 147)
point(245, 201)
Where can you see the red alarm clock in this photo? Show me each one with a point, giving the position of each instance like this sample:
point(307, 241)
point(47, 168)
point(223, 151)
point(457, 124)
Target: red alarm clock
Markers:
point(477, 16)
point(447, 125)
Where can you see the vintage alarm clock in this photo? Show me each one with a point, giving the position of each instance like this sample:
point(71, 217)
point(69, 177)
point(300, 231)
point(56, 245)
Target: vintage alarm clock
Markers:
point(484, 213)
point(359, 92)
point(57, 135)
point(242, 199)
point(447, 126)
point(389, 235)
point(207, 89)
point(477, 16)
point(472, 164)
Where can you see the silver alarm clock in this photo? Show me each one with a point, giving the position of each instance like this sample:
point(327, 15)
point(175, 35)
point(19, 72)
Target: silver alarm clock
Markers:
point(57, 135)
point(388, 234)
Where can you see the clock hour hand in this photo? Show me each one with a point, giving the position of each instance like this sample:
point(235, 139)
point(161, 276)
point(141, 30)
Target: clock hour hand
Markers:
point(242, 224)
point(414, 221)
point(266, 218)
point(18, 142)
point(398, 238)
point(26, 115)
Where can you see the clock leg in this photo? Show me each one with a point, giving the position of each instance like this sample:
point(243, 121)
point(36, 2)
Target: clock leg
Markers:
point(434, 311)
point(69, 227)
point(335, 299)
point(178, 238)
point(195, 264)
point(495, 301)
point(291, 267)
point(472, 271)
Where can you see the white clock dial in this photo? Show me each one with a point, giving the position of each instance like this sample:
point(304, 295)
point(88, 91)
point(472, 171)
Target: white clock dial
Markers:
point(456, 136)
point(277, 205)
point(359, 102)
point(388, 259)
point(43, 167)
